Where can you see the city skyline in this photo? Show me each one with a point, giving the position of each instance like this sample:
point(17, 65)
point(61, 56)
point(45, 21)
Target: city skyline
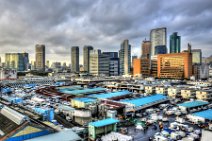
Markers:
point(60, 25)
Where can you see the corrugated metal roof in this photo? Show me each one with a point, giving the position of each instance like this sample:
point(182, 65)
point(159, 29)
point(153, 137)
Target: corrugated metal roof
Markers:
point(85, 99)
point(84, 91)
point(207, 114)
point(110, 95)
point(104, 122)
point(64, 135)
point(145, 100)
point(192, 104)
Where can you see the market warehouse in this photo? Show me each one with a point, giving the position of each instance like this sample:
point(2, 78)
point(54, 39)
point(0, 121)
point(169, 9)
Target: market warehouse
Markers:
point(136, 104)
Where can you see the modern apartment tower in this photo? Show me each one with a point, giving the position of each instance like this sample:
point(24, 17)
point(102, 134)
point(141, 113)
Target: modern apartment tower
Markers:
point(125, 58)
point(86, 57)
point(75, 59)
point(40, 57)
point(158, 38)
point(18, 61)
point(175, 43)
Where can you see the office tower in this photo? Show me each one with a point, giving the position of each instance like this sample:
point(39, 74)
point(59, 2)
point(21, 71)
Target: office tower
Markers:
point(48, 64)
point(136, 67)
point(75, 59)
point(158, 38)
point(113, 64)
point(160, 50)
point(18, 61)
point(175, 43)
point(134, 57)
point(196, 56)
point(141, 67)
point(99, 63)
point(175, 65)
point(154, 67)
point(86, 57)
point(0, 62)
point(64, 65)
point(125, 58)
point(146, 49)
point(40, 57)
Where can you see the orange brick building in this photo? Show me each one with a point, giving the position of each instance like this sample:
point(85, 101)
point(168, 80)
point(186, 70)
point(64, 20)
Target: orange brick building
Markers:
point(176, 65)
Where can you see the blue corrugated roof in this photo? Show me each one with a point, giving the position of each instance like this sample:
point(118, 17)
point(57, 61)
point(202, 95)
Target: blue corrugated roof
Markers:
point(104, 122)
point(84, 91)
point(207, 114)
point(85, 99)
point(110, 95)
point(192, 104)
point(145, 100)
point(63, 135)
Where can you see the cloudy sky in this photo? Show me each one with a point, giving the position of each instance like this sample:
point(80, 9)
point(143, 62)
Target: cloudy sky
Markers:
point(104, 24)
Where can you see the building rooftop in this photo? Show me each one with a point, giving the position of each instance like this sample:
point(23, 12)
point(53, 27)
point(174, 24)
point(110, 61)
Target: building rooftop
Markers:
point(64, 135)
point(110, 95)
point(104, 122)
point(192, 104)
point(145, 100)
point(207, 114)
point(85, 99)
point(84, 91)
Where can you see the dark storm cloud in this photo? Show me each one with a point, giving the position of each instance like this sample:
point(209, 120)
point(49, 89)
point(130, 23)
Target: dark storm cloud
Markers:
point(60, 24)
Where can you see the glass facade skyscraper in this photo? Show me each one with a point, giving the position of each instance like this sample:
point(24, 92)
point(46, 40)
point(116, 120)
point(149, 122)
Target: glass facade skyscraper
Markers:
point(158, 38)
point(18, 61)
point(160, 50)
point(125, 58)
point(175, 42)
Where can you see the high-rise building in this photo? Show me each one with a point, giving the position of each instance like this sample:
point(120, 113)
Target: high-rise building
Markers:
point(174, 43)
point(75, 59)
point(146, 49)
point(86, 57)
point(40, 57)
point(160, 50)
point(99, 63)
point(175, 65)
point(48, 64)
point(125, 58)
point(114, 63)
point(158, 38)
point(18, 61)
point(196, 55)
point(136, 67)
point(141, 67)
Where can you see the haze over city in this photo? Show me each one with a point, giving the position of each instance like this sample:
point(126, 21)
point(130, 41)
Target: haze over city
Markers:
point(102, 24)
